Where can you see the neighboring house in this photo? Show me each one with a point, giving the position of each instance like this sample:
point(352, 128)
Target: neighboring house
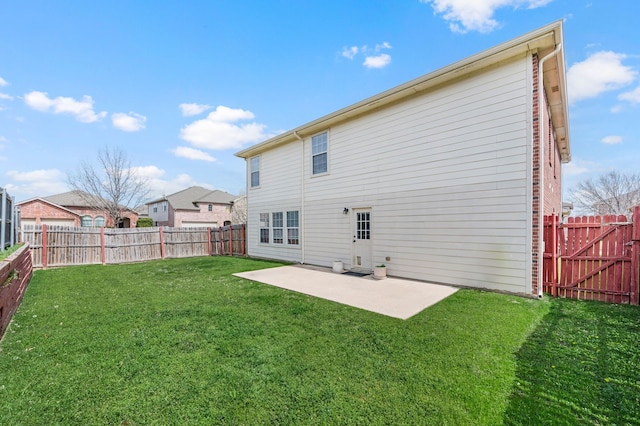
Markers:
point(70, 209)
point(445, 178)
point(193, 207)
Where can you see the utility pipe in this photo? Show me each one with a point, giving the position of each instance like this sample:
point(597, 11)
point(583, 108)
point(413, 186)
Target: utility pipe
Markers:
point(541, 157)
point(302, 216)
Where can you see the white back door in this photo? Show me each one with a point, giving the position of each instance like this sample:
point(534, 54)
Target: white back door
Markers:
point(362, 240)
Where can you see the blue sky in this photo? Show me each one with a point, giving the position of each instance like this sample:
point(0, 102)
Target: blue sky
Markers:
point(182, 86)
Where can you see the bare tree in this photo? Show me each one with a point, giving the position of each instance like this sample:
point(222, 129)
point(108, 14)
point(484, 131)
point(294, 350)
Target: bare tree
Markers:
point(111, 185)
point(611, 193)
point(239, 210)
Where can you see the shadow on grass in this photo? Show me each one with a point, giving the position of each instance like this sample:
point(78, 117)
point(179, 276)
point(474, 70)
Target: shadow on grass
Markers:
point(580, 366)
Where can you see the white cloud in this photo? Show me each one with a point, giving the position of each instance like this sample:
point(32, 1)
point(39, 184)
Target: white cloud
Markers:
point(220, 131)
point(477, 15)
point(632, 96)
point(350, 52)
point(573, 169)
point(131, 122)
point(82, 110)
point(373, 57)
point(37, 183)
point(379, 61)
point(192, 154)
point(193, 109)
point(159, 186)
point(611, 140)
point(601, 72)
point(5, 96)
point(3, 82)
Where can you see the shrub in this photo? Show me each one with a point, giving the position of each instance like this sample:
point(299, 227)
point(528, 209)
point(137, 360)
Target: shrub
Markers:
point(144, 222)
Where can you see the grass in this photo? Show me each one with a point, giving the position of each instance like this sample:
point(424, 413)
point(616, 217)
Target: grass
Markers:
point(185, 342)
point(581, 366)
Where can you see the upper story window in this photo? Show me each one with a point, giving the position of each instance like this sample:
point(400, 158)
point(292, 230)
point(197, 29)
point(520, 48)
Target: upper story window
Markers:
point(155, 207)
point(254, 169)
point(319, 147)
point(87, 221)
point(164, 206)
point(210, 207)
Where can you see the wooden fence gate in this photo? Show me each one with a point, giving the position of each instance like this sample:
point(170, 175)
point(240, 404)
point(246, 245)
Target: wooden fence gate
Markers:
point(593, 258)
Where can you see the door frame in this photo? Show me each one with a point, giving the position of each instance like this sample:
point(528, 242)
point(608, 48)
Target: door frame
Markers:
point(354, 218)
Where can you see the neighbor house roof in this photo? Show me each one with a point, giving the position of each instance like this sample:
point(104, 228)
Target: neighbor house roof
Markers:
point(543, 41)
point(71, 198)
point(188, 199)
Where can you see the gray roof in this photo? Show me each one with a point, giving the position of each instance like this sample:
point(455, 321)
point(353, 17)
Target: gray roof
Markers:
point(188, 199)
point(71, 198)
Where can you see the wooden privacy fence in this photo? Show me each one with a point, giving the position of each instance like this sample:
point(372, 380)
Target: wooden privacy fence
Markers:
point(593, 258)
point(15, 274)
point(53, 246)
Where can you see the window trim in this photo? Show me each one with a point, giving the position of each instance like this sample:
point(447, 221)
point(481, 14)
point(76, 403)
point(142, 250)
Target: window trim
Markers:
point(262, 226)
point(100, 221)
point(295, 228)
point(325, 152)
point(258, 160)
point(285, 223)
point(278, 240)
point(87, 218)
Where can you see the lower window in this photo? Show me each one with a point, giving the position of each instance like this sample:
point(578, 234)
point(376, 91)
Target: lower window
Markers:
point(282, 229)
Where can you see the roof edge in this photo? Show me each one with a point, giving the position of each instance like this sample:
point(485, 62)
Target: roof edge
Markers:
point(547, 36)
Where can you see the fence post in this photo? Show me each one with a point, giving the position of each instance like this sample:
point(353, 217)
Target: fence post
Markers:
point(161, 243)
point(209, 248)
point(554, 255)
point(103, 255)
point(244, 248)
point(221, 231)
point(635, 258)
point(44, 246)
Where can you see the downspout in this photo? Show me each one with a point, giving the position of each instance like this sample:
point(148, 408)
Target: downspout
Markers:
point(541, 157)
point(302, 216)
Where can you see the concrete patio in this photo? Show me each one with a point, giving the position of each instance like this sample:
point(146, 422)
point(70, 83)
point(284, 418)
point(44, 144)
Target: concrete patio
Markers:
point(394, 297)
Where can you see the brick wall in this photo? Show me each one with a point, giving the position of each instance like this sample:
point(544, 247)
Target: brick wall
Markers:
point(536, 231)
point(220, 214)
point(37, 210)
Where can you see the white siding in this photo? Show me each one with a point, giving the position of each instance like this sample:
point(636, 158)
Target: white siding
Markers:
point(446, 174)
point(279, 191)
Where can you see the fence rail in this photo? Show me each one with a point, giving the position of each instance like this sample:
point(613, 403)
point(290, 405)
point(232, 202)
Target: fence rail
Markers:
point(8, 220)
point(53, 246)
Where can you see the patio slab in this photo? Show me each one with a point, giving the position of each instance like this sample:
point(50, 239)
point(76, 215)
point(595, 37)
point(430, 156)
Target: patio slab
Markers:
point(394, 297)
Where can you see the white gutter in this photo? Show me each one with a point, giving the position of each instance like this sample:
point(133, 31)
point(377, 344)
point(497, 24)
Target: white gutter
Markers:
point(541, 158)
point(302, 216)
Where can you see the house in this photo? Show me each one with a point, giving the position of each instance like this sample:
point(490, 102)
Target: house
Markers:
point(192, 207)
point(69, 209)
point(445, 178)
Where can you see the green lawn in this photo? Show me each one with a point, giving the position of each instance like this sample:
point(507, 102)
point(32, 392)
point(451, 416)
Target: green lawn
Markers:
point(184, 342)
